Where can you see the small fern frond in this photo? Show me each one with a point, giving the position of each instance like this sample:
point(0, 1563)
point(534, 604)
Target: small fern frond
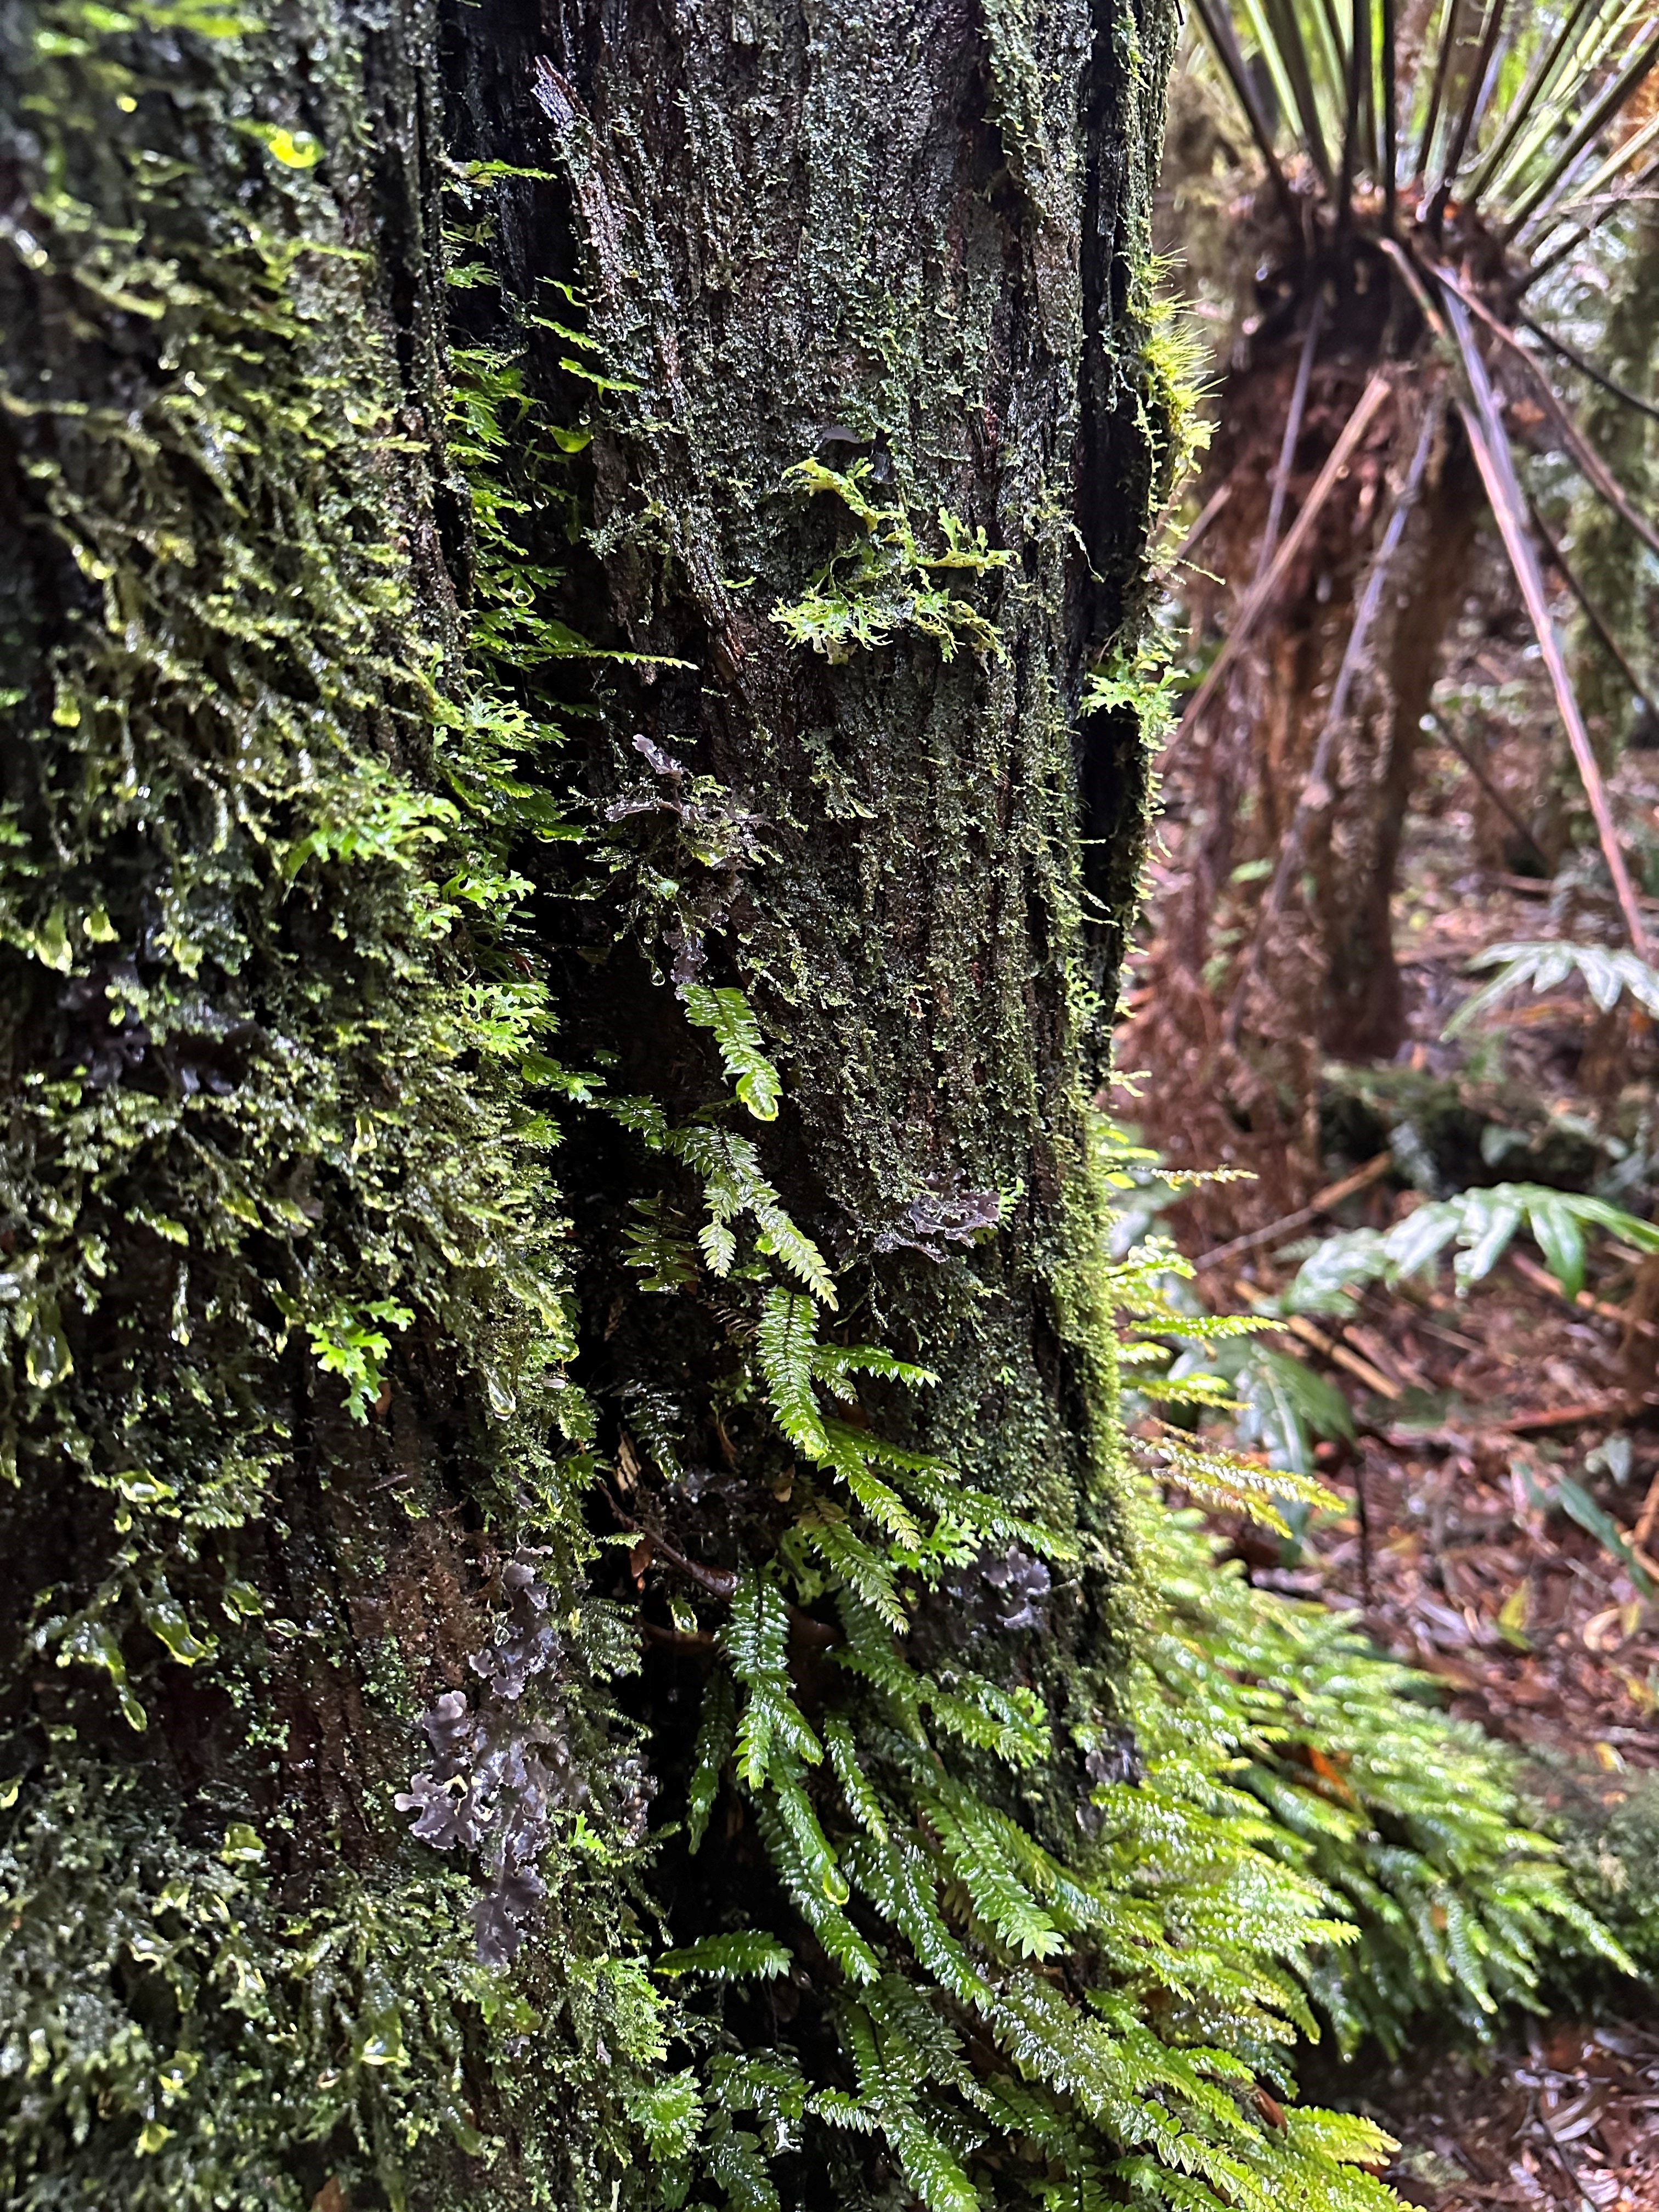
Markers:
point(849, 1452)
point(857, 1564)
point(834, 1363)
point(856, 1790)
point(1232, 1482)
point(1481, 1224)
point(786, 1342)
point(717, 1736)
point(747, 1954)
point(1610, 973)
point(831, 1926)
point(997, 1895)
point(730, 1016)
point(756, 1643)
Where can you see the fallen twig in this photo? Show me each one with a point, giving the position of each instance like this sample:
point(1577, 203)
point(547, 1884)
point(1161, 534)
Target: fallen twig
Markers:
point(1321, 1202)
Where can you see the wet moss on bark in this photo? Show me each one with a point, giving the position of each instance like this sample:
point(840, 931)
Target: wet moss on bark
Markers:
point(312, 1360)
point(284, 1299)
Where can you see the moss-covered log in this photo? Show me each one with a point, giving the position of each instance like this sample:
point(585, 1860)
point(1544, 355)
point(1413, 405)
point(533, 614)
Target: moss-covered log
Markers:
point(569, 1616)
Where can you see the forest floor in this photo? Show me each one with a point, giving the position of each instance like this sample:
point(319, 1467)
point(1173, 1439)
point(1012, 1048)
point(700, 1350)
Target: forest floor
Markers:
point(1469, 1411)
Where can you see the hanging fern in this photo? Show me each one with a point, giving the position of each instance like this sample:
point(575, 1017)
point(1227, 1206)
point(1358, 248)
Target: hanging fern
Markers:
point(1277, 1828)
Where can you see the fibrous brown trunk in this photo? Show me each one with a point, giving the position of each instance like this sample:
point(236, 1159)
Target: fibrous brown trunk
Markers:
point(1362, 1010)
point(325, 1369)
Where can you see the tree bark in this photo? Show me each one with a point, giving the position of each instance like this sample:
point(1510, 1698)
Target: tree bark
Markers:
point(329, 1379)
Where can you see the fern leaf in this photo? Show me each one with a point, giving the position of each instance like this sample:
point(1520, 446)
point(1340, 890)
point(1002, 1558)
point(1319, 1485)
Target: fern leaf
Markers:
point(717, 1731)
point(839, 1938)
point(1010, 1722)
point(736, 1033)
point(858, 1565)
point(786, 1342)
point(1560, 1237)
point(898, 1879)
point(780, 1239)
point(837, 2109)
point(670, 2113)
point(928, 2165)
point(719, 1247)
point(861, 1798)
point(997, 1896)
point(756, 1642)
point(834, 1363)
point(813, 1846)
point(1237, 1484)
point(1490, 1219)
point(737, 2163)
point(869, 1651)
point(747, 1954)
point(847, 1450)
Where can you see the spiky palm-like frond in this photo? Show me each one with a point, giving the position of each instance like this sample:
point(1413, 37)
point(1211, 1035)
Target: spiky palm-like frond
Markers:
point(1426, 166)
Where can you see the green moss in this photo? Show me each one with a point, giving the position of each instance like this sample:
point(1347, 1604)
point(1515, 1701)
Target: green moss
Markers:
point(287, 1310)
point(883, 585)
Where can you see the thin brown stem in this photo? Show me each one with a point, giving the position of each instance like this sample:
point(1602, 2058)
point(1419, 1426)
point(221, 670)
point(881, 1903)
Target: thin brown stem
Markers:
point(1578, 448)
point(1292, 437)
point(1492, 457)
point(1261, 592)
point(1312, 796)
point(1586, 367)
point(1477, 769)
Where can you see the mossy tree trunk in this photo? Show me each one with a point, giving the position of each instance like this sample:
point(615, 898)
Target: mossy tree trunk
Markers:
point(661, 643)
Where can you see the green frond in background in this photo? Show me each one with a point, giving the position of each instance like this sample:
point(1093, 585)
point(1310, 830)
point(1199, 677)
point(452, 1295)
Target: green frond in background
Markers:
point(1609, 974)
